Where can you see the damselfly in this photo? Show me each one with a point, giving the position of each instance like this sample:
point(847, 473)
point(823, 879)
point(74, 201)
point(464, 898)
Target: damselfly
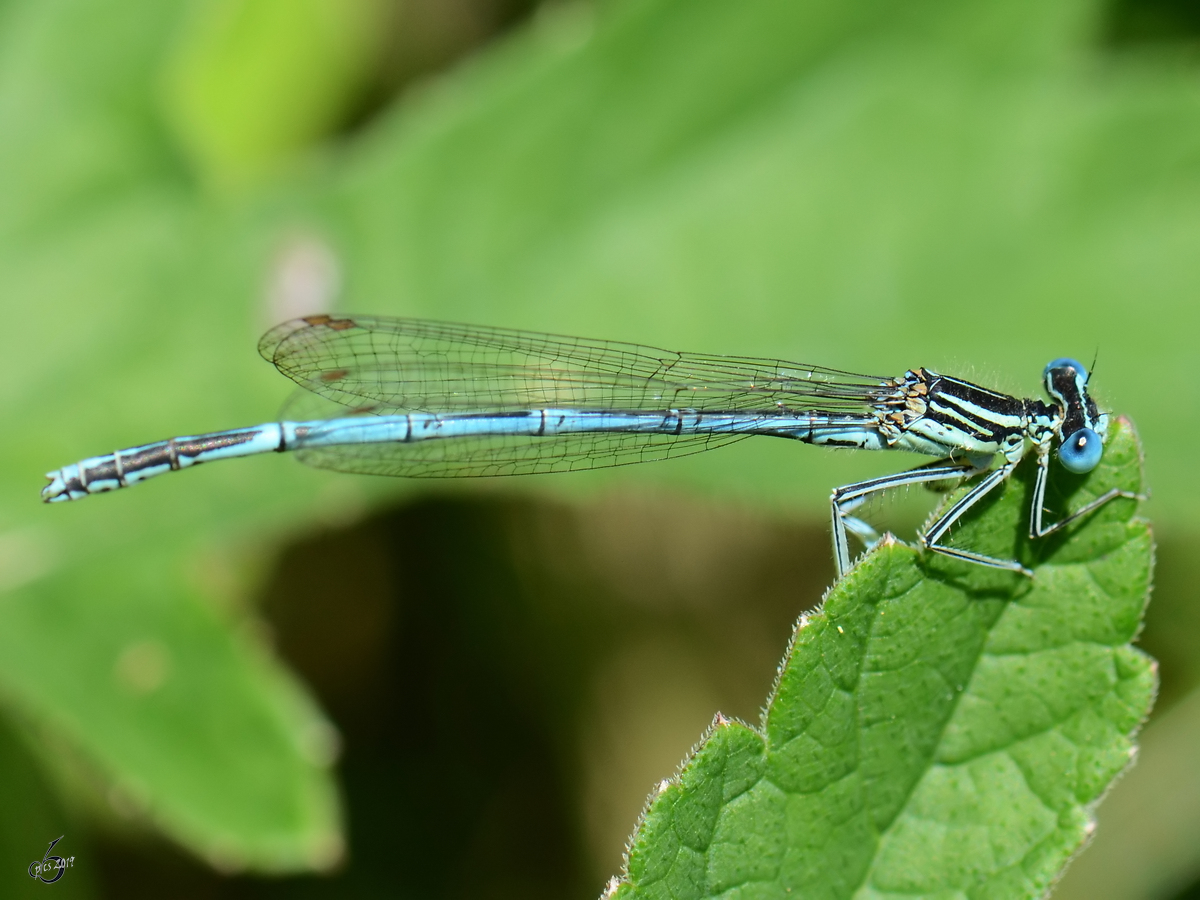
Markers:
point(426, 399)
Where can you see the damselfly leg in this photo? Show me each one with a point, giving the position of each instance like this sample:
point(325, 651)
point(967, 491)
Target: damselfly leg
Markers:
point(1037, 528)
point(848, 498)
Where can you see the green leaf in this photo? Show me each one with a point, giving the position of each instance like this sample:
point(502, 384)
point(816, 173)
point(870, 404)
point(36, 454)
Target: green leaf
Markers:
point(253, 82)
point(937, 729)
point(34, 820)
point(771, 179)
point(868, 185)
point(123, 633)
point(190, 726)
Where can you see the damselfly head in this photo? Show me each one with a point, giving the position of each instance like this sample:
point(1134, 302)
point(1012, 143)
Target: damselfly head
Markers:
point(1083, 427)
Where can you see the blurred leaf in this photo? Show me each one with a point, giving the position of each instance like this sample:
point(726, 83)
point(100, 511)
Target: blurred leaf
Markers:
point(253, 81)
point(937, 729)
point(869, 185)
point(33, 819)
point(1172, 631)
point(199, 733)
point(121, 634)
point(1138, 21)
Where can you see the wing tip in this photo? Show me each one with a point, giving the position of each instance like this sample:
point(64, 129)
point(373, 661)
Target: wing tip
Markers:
point(271, 342)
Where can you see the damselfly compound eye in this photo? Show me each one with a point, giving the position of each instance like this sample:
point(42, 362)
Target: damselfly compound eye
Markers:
point(1064, 362)
point(1081, 451)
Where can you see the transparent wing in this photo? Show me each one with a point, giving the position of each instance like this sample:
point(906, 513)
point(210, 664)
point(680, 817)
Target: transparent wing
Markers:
point(382, 366)
point(421, 366)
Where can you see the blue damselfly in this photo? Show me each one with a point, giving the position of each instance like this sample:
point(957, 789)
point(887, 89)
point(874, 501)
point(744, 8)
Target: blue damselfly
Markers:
point(417, 398)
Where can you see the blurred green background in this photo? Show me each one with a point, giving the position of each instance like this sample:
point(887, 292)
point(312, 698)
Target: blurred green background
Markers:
point(260, 680)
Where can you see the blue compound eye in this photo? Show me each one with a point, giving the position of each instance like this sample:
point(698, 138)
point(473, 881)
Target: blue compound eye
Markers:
point(1063, 362)
point(1081, 451)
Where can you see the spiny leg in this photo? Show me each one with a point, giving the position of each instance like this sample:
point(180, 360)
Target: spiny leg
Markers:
point(848, 498)
point(1036, 527)
point(931, 538)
